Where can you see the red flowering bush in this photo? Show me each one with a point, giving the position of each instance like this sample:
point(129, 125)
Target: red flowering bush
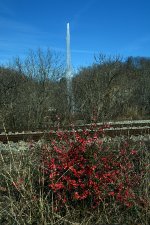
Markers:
point(82, 169)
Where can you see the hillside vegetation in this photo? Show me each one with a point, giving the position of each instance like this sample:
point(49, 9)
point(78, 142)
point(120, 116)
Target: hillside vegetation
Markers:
point(33, 93)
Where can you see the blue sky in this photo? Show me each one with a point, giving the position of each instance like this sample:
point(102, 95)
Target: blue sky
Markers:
point(110, 27)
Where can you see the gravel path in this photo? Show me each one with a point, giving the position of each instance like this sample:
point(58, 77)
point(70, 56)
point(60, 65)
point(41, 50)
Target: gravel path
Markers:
point(22, 146)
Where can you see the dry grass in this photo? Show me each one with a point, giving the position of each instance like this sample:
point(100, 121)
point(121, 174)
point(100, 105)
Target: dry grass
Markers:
point(25, 199)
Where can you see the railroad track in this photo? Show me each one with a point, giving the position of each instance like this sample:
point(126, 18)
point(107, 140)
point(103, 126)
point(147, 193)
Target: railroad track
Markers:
point(120, 128)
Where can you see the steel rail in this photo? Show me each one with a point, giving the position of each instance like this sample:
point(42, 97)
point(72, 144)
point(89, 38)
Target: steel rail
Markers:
point(108, 131)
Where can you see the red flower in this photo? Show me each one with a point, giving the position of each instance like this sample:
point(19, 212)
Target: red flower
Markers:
point(57, 186)
point(111, 193)
point(73, 183)
point(76, 195)
point(133, 152)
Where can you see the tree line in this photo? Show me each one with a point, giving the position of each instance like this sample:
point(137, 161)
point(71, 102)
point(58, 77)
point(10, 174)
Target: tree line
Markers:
point(33, 92)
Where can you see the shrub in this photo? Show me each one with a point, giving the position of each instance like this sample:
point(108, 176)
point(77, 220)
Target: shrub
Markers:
point(82, 171)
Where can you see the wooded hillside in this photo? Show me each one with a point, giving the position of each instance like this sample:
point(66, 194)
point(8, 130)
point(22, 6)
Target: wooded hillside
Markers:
point(33, 93)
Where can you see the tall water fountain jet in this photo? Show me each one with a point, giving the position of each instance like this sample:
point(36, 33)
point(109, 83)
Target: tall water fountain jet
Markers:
point(69, 73)
point(69, 70)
